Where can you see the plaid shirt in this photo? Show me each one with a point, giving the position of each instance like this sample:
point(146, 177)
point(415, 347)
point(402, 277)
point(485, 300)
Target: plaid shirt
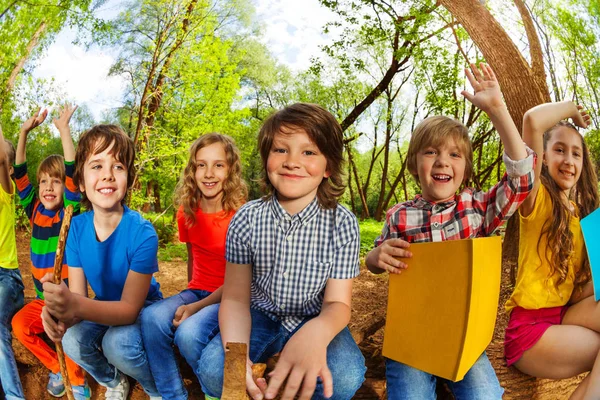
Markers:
point(293, 256)
point(470, 214)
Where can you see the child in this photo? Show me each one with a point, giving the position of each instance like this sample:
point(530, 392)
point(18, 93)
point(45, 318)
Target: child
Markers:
point(114, 250)
point(440, 158)
point(45, 213)
point(210, 191)
point(554, 326)
point(291, 257)
point(11, 284)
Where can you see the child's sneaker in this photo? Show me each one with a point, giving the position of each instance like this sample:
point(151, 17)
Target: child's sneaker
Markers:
point(207, 397)
point(55, 386)
point(120, 391)
point(82, 392)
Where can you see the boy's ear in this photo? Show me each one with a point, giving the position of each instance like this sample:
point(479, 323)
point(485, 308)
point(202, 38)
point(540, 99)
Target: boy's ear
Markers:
point(327, 174)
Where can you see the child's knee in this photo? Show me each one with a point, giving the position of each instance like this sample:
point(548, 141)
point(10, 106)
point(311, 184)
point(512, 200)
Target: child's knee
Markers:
point(19, 327)
point(122, 343)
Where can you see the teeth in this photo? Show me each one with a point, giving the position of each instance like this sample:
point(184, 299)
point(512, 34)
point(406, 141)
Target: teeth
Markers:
point(441, 177)
point(106, 191)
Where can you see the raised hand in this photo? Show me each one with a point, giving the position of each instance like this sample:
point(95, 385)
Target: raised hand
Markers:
point(34, 121)
point(582, 119)
point(64, 117)
point(487, 94)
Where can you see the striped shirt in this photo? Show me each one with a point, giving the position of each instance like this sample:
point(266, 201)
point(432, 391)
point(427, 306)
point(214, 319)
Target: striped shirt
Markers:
point(472, 213)
point(293, 256)
point(45, 224)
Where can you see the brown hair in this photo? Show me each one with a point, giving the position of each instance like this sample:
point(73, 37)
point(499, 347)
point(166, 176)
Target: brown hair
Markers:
point(324, 130)
point(556, 229)
point(95, 141)
point(54, 166)
point(235, 190)
point(434, 131)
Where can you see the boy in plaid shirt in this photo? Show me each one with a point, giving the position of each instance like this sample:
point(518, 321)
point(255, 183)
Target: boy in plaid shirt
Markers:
point(291, 257)
point(440, 159)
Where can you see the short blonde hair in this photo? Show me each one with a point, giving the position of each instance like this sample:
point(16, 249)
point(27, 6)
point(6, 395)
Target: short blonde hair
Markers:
point(434, 131)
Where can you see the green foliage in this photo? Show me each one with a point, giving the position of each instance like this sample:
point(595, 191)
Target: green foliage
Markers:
point(164, 225)
point(172, 251)
point(369, 231)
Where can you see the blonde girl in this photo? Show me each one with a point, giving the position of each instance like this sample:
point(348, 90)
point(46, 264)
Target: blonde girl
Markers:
point(554, 326)
point(210, 191)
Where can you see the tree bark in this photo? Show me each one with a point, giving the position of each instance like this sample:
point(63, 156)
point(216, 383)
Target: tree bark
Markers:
point(523, 86)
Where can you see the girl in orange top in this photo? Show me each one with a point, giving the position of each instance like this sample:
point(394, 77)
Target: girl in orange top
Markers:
point(554, 326)
point(209, 193)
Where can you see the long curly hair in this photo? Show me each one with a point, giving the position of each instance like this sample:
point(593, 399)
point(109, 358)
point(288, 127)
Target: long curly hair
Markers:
point(235, 190)
point(556, 229)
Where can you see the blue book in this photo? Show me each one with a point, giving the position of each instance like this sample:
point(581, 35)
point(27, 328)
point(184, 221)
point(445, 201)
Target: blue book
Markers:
point(590, 227)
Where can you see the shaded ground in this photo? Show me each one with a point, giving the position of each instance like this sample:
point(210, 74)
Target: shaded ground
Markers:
point(368, 311)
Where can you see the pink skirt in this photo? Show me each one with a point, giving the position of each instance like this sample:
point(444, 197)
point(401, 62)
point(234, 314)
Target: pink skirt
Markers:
point(526, 327)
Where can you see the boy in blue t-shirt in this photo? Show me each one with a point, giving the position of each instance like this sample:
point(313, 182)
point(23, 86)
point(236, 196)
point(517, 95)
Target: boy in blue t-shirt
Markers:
point(114, 250)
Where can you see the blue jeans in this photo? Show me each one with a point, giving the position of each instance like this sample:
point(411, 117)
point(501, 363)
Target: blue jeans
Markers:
point(159, 335)
point(408, 383)
point(267, 338)
point(11, 300)
point(104, 350)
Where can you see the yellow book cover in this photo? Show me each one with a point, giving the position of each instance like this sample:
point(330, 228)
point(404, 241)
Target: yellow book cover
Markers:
point(442, 309)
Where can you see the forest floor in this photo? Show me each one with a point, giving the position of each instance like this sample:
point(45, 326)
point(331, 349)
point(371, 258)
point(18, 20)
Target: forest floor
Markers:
point(368, 310)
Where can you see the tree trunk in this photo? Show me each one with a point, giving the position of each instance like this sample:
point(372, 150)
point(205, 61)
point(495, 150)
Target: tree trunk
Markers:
point(515, 75)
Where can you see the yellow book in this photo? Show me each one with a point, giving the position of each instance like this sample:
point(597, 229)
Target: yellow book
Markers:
point(442, 309)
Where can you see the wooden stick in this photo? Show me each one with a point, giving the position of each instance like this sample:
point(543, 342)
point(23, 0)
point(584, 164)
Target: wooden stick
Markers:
point(58, 263)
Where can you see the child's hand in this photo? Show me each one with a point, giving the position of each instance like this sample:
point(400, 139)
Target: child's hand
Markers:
point(34, 121)
point(387, 252)
point(487, 94)
point(582, 118)
point(255, 388)
point(303, 359)
point(54, 329)
point(183, 312)
point(64, 116)
point(59, 300)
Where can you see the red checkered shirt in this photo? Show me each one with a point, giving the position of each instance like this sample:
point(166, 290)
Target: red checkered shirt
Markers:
point(470, 214)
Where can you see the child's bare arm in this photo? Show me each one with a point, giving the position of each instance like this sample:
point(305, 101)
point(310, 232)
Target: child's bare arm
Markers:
point(488, 97)
point(5, 180)
point(235, 321)
point(30, 124)
point(536, 122)
point(382, 258)
point(304, 357)
point(62, 124)
point(67, 305)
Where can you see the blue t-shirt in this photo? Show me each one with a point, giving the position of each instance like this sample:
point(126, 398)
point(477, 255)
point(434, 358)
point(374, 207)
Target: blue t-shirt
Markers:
point(132, 246)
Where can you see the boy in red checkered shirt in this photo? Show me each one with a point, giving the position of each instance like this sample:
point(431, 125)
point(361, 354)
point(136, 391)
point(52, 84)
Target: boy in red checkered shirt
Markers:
point(440, 159)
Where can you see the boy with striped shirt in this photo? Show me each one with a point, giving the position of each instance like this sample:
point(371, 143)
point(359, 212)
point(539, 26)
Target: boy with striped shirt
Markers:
point(45, 212)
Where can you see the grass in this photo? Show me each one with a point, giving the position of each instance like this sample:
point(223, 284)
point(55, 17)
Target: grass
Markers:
point(369, 231)
point(171, 251)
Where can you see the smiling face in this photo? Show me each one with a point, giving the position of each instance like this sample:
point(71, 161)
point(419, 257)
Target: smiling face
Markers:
point(104, 181)
point(295, 167)
point(441, 171)
point(563, 156)
point(211, 173)
point(51, 189)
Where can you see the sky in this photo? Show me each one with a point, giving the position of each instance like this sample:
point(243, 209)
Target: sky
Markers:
point(291, 29)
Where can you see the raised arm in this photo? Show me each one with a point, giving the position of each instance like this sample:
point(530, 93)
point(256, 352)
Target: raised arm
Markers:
point(5, 165)
point(488, 97)
point(536, 122)
point(62, 124)
point(30, 124)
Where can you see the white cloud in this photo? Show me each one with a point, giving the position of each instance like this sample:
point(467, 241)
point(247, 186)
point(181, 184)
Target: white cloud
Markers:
point(82, 74)
point(293, 29)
